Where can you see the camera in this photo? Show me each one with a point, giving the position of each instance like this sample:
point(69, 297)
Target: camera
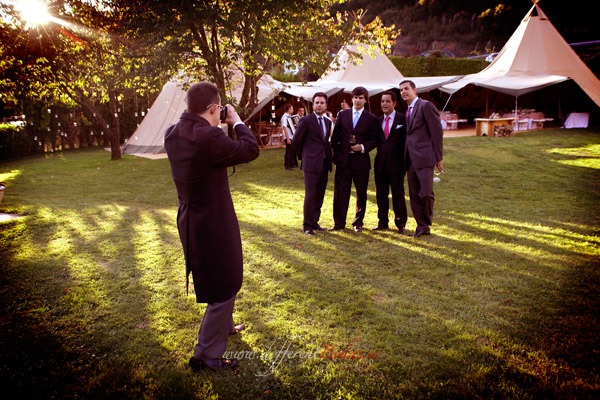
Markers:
point(223, 114)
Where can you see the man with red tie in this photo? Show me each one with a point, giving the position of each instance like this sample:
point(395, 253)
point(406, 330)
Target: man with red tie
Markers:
point(424, 152)
point(389, 164)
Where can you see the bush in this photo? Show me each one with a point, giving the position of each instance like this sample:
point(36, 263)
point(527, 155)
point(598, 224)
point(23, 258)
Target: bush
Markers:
point(14, 141)
point(437, 66)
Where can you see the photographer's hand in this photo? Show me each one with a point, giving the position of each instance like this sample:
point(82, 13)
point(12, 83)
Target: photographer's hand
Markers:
point(232, 115)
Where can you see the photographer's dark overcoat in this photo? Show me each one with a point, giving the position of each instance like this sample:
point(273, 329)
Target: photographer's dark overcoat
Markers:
point(208, 227)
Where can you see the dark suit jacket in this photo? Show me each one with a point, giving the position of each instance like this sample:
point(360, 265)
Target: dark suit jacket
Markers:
point(366, 134)
point(310, 146)
point(208, 227)
point(424, 135)
point(390, 151)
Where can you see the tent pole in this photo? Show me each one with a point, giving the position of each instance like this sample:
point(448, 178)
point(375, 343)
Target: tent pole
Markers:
point(516, 111)
point(447, 101)
point(487, 112)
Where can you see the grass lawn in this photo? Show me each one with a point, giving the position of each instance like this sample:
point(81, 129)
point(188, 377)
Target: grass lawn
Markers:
point(500, 302)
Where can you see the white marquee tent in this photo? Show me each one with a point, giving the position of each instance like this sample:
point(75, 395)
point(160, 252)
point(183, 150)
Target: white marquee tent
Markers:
point(148, 138)
point(358, 65)
point(535, 56)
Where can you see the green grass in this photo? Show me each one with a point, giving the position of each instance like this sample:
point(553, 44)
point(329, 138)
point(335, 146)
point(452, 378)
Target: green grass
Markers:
point(501, 302)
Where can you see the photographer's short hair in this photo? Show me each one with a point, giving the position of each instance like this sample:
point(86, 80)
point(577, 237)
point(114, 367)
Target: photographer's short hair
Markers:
point(360, 90)
point(200, 96)
point(320, 94)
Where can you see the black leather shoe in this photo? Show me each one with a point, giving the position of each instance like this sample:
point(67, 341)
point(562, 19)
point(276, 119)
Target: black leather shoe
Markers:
point(335, 228)
point(402, 230)
point(237, 329)
point(358, 228)
point(218, 364)
point(309, 232)
point(380, 228)
point(320, 228)
point(421, 232)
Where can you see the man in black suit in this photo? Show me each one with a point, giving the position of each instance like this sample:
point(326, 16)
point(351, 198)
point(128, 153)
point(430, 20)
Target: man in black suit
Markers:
point(424, 152)
point(199, 152)
point(389, 164)
point(311, 143)
point(354, 136)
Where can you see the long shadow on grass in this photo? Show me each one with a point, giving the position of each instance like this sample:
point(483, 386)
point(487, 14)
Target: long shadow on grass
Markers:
point(104, 326)
point(441, 306)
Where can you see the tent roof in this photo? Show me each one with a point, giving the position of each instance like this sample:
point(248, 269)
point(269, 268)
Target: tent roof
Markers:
point(359, 65)
point(164, 112)
point(535, 56)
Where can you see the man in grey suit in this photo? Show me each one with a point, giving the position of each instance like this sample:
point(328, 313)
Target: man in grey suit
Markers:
point(311, 144)
point(424, 152)
point(389, 164)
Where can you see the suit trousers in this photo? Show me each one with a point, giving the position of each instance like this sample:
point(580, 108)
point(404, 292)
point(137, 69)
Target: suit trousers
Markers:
point(385, 181)
point(344, 176)
point(216, 326)
point(290, 160)
point(420, 191)
point(315, 185)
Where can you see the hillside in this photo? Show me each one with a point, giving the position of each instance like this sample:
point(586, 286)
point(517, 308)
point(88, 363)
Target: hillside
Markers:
point(465, 28)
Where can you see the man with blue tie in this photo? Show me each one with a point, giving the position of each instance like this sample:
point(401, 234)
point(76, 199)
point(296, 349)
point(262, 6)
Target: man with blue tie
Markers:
point(311, 143)
point(424, 152)
point(389, 164)
point(354, 136)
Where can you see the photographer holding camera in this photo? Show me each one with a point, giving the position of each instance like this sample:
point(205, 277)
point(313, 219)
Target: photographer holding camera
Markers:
point(199, 152)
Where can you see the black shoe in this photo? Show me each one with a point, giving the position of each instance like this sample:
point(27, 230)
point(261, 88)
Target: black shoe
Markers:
point(237, 329)
point(358, 228)
point(219, 364)
point(380, 228)
point(335, 228)
point(402, 230)
point(309, 232)
point(421, 232)
point(320, 228)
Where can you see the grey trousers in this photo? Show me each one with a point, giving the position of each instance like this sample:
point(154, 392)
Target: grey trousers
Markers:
point(216, 326)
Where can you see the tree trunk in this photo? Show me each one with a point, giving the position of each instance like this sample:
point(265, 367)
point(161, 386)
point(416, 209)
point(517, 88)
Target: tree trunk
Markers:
point(115, 130)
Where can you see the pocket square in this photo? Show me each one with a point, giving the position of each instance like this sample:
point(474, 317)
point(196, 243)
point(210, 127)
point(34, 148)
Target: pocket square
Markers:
point(398, 126)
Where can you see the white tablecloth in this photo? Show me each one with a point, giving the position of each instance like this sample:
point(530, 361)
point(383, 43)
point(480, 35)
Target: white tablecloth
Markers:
point(577, 120)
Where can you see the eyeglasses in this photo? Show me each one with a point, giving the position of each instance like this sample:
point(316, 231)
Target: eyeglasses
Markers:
point(214, 104)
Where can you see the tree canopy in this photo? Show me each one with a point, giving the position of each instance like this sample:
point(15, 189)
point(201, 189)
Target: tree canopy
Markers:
point(97, 55)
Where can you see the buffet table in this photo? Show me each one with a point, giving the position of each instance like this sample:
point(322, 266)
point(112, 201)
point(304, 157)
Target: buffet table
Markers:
point(485, 126)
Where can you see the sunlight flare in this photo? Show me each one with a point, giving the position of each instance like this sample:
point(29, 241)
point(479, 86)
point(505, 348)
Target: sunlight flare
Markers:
point(34, 12)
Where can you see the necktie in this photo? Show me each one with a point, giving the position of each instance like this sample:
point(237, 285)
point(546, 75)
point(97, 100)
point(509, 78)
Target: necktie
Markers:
point(386, 128)
point(407, 115)
point(322, 127)
point(355, 120)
